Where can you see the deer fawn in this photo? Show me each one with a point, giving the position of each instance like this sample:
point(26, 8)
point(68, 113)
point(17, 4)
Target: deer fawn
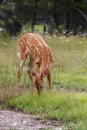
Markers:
point(40, 59)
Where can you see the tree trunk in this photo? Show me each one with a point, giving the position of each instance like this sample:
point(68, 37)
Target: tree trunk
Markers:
point(34, 16)
point(83, 14)
point(69, 18)
point(45, 16)
point(55, 12)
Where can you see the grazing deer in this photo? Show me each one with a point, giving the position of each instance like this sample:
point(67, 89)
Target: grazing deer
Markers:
point(40, 56)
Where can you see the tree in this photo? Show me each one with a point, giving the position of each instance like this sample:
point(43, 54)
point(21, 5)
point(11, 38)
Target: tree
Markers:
point(55, 3)
point(45, 16)
point(61, 14)
point(69, 17)
point(34, 15)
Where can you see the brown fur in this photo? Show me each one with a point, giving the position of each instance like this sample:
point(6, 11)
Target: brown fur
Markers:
point(41, 58)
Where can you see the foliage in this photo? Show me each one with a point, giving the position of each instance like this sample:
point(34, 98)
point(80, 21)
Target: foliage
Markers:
point(14, 14)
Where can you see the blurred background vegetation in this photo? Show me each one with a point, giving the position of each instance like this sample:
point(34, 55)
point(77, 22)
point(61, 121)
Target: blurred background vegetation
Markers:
point(55, 16)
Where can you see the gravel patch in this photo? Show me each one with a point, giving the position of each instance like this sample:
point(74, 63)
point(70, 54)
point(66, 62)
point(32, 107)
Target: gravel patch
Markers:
point(12, 120)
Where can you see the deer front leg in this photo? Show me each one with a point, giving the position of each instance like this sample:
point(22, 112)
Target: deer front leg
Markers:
point(49, 79)
point(20, 70)
point(30, 71)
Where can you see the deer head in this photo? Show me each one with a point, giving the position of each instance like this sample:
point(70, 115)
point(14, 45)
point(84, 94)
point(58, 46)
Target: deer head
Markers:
point(39, 80)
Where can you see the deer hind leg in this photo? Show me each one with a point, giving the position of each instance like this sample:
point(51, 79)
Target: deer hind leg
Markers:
point(37, 70)
point(49, 79)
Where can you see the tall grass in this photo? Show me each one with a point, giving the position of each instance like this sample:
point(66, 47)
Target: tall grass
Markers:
point(70, 63)
point(68, 73)
point(68, 70)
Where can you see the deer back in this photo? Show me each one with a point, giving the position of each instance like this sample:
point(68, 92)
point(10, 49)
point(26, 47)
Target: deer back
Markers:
point(32, 44)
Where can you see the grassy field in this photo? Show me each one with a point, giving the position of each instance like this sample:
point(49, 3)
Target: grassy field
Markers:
point(67, 102)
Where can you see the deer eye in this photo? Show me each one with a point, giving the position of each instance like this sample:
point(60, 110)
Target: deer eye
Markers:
point(33, 73)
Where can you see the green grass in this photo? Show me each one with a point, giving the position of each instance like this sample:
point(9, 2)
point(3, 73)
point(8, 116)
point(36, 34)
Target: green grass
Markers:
point(67, 107)
point(66, 103)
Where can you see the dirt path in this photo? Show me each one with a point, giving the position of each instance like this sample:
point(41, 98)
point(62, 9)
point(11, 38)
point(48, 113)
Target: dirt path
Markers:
point(10, 120)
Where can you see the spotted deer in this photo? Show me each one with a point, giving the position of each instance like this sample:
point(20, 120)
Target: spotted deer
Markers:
point(40, 59)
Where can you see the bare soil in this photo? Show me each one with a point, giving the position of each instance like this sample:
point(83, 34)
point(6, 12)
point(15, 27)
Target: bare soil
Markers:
point(12, 120)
